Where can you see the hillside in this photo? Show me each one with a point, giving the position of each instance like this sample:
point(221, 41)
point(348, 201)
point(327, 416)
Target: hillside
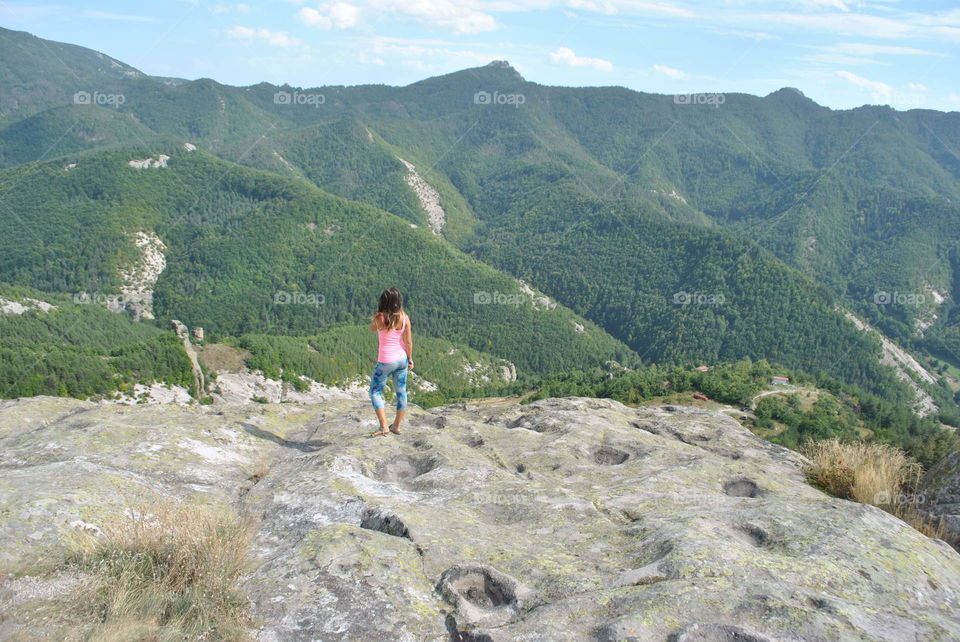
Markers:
point(62, 345)
point(239, 251)
point(685, 233)
point(72, 346)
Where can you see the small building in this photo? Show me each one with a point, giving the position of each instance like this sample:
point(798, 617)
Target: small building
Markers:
point(780, 381)
point(703, 368)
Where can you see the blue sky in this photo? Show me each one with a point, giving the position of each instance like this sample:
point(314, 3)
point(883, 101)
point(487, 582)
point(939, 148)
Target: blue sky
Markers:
point(841, 54)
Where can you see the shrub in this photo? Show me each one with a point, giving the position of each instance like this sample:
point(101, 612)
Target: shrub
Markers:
point(870, 473)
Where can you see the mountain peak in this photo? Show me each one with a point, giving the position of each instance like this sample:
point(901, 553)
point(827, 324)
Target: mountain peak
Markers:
point(505, 65)
point(793, 89)
point(792, 96)
point(495, 71)
point(788, 91)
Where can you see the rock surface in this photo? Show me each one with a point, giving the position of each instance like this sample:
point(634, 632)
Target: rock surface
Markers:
point(240, 387)
point(565, 519)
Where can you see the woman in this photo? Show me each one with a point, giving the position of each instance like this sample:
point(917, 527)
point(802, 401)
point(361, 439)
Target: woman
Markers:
point(395, 357)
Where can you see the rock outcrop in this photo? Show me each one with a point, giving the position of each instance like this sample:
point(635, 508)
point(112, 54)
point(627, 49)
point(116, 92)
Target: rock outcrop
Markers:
point(8, 306)
point(428, 196)
point(199, 385)
point(147, 163)
point(908, 369)
point(136, 294)
point(940, 493)
point(241, 387)
point(564, 519)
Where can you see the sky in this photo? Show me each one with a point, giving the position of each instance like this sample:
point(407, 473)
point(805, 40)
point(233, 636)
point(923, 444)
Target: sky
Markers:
point(905, 54)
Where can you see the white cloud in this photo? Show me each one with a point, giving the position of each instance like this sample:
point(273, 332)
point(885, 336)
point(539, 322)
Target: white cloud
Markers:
point(418, 54)
point(664, 8)
point(876, 88)
point(446, 14)
point(598, 6)
point(332, 15)
point(953, 33)
point(109, 15)
point(864, 49)
point(878, 19)
point(943, 18)
point(565, 56)
point(821, 4)
point(607, 7)
point(669, 71)
point(241, 8)
point(839, 59)
point(753, 35)
point(915, 86)
point(858, 24)
point(275, 38)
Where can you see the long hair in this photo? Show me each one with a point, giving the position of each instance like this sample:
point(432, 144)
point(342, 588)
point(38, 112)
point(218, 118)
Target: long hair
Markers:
point(390, 309)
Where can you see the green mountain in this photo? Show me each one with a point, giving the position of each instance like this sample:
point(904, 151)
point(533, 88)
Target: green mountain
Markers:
point(672, 230)
point(69, 129)
point(249, 251)
point(60, 345)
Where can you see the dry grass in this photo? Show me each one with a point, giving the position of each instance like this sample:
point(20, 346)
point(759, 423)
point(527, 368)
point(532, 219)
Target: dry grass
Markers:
point(929, 526)
point(864, 472)
point(166, 572)
point(869, 473)
point(219, 356)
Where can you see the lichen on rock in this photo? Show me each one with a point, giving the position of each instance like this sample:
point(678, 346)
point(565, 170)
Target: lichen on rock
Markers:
point(563, 519)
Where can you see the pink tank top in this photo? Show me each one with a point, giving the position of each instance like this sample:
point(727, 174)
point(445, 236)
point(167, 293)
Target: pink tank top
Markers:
point(391, 347)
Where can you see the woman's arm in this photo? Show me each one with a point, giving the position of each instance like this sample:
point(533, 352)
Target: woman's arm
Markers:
point(408, 342)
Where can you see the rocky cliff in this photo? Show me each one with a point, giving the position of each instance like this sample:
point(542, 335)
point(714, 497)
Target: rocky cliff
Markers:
point(565, 519)
point(939, 491)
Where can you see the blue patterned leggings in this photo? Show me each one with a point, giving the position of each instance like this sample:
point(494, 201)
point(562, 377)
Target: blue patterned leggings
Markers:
point(396, 369)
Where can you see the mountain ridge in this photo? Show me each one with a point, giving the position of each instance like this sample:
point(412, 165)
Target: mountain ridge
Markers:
point(527, 188)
